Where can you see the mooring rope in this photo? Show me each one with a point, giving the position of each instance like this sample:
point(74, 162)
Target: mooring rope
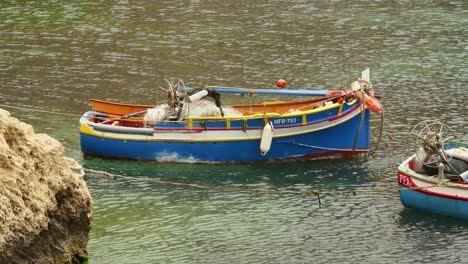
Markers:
point(306, 193)
point(38, 110)
point(361, 122)
point(379, 139)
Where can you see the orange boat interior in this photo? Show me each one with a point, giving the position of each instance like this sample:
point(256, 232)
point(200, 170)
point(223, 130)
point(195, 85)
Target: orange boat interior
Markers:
point(118, 111)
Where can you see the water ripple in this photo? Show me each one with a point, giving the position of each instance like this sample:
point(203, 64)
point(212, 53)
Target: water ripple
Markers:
point(57, 55)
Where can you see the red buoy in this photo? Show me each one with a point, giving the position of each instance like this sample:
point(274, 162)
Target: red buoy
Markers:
point(281, 83)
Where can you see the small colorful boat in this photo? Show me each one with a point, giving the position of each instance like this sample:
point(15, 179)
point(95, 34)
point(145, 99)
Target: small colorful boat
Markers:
point(190, 128)
point(435, 178)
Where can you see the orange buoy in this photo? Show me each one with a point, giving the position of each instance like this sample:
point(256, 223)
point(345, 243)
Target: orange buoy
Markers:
point(373, 104)
point(370, 101)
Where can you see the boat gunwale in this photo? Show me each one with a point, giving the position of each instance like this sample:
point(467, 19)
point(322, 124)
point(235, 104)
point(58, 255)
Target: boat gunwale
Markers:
point(252, 116)
point(85, 121)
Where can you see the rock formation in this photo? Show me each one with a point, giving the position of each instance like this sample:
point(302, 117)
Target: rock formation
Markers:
point(45, 208)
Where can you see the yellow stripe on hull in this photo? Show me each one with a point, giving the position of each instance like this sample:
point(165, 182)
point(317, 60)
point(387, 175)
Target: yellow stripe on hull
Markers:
point(86, 129)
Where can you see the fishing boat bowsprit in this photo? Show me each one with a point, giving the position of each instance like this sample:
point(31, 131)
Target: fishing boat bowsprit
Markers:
point(191, 128)
point(435, 178)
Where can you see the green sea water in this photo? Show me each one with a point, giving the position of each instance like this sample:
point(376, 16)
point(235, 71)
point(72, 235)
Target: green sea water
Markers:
point(56, 55)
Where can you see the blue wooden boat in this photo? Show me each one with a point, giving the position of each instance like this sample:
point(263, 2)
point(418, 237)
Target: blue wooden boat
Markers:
point(333, 124)
point(435, 178)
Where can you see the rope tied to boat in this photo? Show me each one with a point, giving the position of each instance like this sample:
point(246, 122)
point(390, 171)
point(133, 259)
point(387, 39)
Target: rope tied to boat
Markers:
point(39, 110)
point(304, 193)
point(313, 146)
point(307, 193)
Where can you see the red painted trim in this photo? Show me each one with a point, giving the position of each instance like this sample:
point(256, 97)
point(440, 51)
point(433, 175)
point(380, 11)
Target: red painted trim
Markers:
point(358, 152)
point(345, 114)
point(412, 185)
point(411, 164)
point(166, 130)
point(344, 154)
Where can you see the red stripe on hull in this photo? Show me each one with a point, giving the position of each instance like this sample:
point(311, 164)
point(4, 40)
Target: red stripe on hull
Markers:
point(410, 184)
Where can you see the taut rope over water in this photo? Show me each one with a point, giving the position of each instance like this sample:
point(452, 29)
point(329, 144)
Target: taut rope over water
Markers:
point(38, 110)
point(304, 194)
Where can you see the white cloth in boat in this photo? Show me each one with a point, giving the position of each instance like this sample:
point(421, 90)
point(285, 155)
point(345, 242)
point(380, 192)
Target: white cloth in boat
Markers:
point(208, 108)
point(201, 108)
point(460, 153)
point(157, 114)
point(459, 161)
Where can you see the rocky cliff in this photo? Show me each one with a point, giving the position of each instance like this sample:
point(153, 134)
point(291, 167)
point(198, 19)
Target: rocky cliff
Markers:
point(45, 208)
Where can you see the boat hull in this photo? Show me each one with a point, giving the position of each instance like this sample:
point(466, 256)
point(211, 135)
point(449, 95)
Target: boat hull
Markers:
point(325, 143)
point(430, 194)
point(326, 135)
point(434, 203)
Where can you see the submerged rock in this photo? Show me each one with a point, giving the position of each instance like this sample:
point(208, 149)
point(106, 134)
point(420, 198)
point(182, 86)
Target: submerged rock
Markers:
point(45, 208)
